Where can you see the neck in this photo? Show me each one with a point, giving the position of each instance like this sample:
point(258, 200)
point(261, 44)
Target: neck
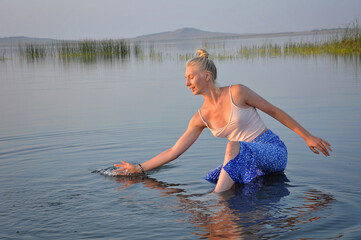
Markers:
point(212, 94)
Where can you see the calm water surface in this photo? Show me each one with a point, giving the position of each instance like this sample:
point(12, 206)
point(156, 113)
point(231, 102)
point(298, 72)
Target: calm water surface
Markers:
point(63, 121)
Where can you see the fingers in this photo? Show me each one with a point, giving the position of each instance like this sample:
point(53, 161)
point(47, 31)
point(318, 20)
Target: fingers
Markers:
point(325, 147)
point(322, 146)
point(326, 143)
point(125, 166)
point(328, 146)
point(324, 151)
point(121, 165)
point(314, 150)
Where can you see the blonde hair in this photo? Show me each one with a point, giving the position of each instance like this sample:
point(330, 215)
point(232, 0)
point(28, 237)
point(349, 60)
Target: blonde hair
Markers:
point(204, 63)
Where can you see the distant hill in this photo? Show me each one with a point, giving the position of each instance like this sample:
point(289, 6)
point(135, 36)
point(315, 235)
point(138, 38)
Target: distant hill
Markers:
point(180, 34)
point(24, 40)
point(193, 33)
point(185, 33)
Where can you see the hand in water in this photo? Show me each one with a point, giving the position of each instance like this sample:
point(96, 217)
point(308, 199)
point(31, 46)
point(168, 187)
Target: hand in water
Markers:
point(315, 143)
point(125, 168)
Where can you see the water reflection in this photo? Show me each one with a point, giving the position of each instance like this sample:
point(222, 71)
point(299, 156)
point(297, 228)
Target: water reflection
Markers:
point(334, 43)
point(256, 210)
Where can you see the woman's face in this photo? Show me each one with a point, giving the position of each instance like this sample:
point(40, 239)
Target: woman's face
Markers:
point(195, 79)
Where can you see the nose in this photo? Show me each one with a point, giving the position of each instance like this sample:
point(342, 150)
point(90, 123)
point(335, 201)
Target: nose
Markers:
point(187, 82)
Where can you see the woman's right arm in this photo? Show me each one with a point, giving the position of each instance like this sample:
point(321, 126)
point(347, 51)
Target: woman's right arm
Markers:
point(195, 128)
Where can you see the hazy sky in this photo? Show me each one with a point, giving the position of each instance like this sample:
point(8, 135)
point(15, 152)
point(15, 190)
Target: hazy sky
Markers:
point(99, 19)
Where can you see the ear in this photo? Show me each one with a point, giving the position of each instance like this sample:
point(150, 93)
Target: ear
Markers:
point(208, 76)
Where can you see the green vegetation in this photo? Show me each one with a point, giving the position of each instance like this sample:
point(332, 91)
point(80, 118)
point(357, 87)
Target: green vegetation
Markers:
point(33, 50)
point(79, 49)
point(342, 43)
point(346, 44)
point(93, 48)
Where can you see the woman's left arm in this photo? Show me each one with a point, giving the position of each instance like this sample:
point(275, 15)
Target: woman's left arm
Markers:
point(253, 99)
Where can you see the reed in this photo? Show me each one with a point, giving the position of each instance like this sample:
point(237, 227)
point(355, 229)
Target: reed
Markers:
point(348, 43)
point(262, 51)
point(137, 49)
point(94, 48)
point(345, 43)
point(33, 50)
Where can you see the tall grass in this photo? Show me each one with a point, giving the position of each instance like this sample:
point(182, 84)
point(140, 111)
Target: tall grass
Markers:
point(264, 50)
point(33, 50)
point(345, 43)
point(94, 48)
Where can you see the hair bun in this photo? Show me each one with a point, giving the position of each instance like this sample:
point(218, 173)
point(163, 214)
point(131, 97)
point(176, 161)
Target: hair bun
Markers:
point(202, 53)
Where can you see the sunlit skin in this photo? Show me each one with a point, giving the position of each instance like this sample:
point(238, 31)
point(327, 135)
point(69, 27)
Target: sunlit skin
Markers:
point(216, 109)
point(195, 79)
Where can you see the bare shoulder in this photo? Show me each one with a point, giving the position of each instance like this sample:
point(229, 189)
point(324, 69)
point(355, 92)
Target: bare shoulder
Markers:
point(242, 95)
point(239, 94)
point(196, 122)
point(239, 89)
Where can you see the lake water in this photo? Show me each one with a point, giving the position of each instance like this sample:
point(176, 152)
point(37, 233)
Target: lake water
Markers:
point(61, 122)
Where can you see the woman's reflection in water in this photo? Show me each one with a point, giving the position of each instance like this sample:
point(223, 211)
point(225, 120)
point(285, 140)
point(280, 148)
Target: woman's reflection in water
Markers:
point(248, 211)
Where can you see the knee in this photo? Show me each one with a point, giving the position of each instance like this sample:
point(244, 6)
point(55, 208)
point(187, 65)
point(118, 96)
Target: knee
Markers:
point(232, 149)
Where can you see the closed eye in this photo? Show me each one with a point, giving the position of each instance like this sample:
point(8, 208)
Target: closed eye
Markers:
point(189, 77)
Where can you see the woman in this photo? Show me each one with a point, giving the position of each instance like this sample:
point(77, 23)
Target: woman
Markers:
point(230, 112)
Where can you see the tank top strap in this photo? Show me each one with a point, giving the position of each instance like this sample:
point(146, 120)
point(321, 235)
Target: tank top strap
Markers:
point(230, 95)
point(200, 115)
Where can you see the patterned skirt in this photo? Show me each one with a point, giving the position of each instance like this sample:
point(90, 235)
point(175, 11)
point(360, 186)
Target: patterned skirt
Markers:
point(265, 154)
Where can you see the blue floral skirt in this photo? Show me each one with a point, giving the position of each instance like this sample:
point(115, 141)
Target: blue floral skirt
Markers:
point(265, 154)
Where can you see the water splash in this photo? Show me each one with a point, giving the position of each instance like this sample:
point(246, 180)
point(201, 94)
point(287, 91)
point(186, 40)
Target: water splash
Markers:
point(109, 172)
point(105, 171)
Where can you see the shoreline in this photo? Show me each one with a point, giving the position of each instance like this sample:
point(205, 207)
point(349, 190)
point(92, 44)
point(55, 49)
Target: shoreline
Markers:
point(16, 40)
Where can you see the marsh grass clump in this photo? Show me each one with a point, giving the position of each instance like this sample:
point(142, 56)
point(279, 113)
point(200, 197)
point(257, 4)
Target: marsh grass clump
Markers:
point(349, 42)
point(185, 57)
point(341, 42)
point(65, 49)
point(263, 51)
point(344, 43)
point(155, 55)
point(87, 48)
point(2, 56)
point(124, 49)
point(137, 49)
point(302, 49)
point(94, 48)
point(33, 50)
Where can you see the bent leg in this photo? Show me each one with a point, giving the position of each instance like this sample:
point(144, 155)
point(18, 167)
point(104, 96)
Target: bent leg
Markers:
point(225, 182)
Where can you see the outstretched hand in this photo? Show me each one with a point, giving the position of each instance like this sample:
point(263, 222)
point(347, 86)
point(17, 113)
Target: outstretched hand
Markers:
point(125, 168)
point(315, 143)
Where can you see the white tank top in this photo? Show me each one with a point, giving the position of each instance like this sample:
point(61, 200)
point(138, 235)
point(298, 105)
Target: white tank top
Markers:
point(244, 124)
